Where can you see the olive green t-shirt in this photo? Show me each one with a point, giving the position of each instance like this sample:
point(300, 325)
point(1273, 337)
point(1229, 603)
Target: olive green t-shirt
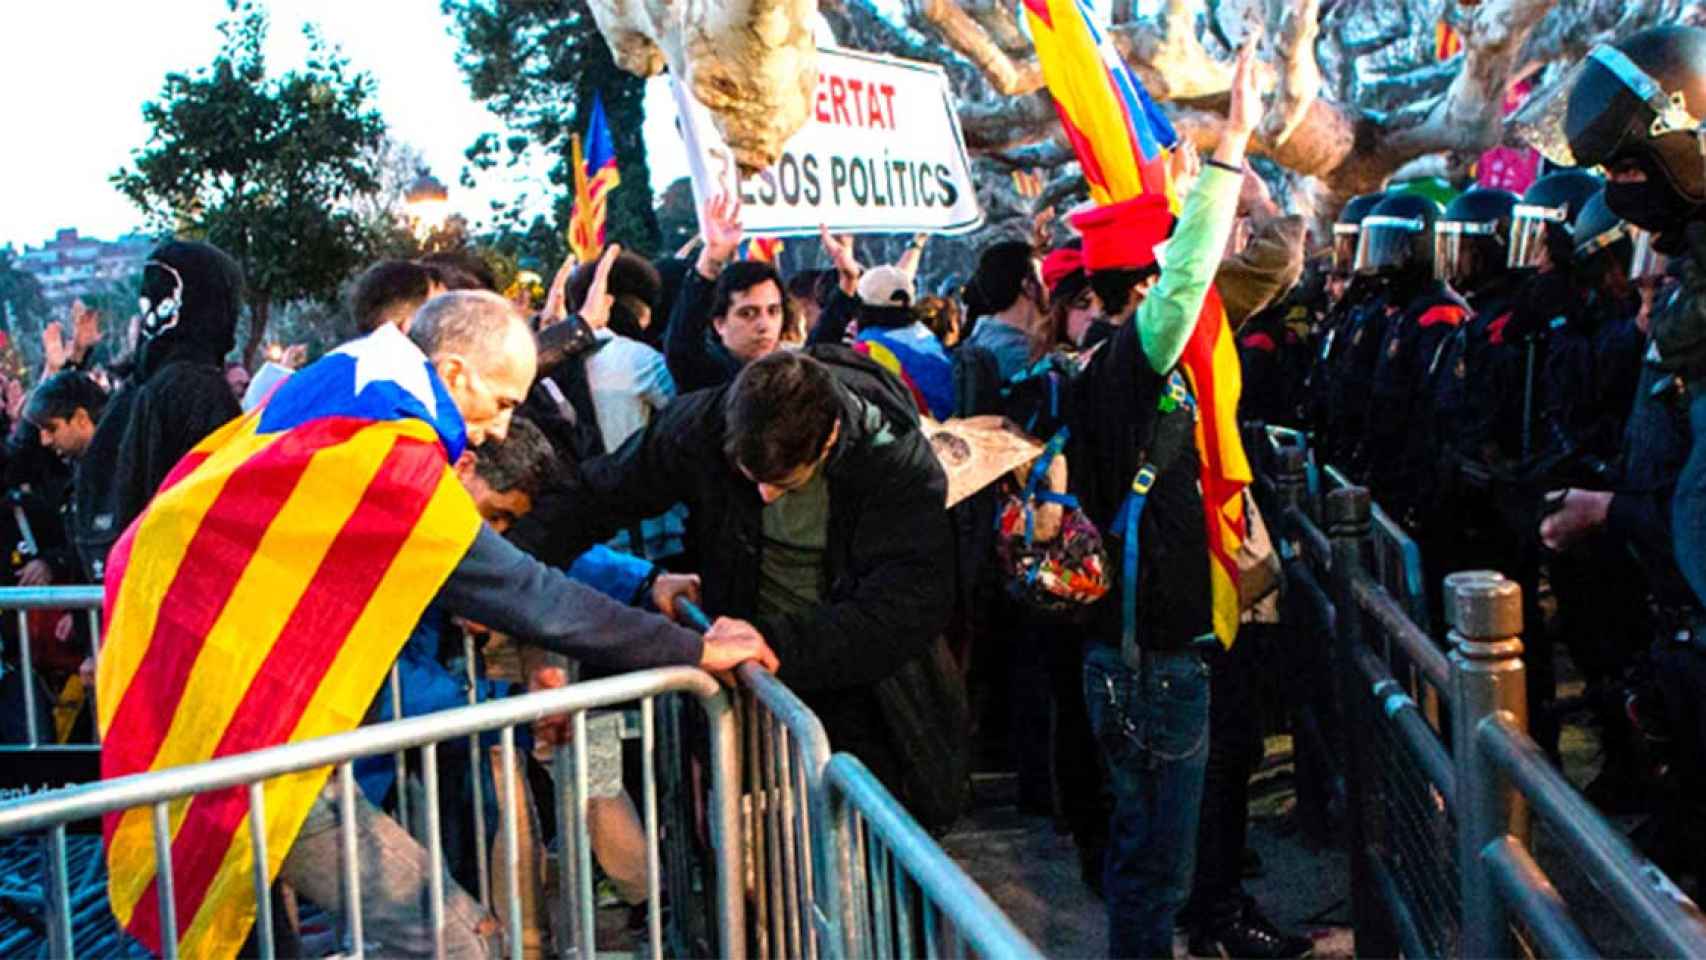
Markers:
point(790, 565)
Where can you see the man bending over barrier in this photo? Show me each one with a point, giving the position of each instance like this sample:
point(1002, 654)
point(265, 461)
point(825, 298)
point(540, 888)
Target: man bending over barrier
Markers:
point(268, 587)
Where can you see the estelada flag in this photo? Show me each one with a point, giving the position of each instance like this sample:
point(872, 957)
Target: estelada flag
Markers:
point(595, 177)
point(260, 599)
point(761, 249)
point(1121, 139)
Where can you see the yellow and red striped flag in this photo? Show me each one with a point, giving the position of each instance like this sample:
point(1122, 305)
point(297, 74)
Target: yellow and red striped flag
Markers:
point(1448, 42)
point(596, 176)
point(260, 599)
point(1121, 138)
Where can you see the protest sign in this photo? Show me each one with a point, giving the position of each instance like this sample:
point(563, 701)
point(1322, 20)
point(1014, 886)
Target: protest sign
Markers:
point(880, 153)
point(976, 451)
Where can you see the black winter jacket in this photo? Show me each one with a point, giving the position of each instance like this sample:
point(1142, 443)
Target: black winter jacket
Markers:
point(888, 563)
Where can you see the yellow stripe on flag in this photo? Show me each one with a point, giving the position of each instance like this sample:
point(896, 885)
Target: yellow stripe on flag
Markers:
point(136, 609)
point(432, 550)
point(331, 486)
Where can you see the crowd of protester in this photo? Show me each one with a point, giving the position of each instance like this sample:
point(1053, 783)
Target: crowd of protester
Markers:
point(709, 429)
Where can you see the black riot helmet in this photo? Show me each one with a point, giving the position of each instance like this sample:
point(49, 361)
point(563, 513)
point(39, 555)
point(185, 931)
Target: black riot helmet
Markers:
point(1636, 106)
point(1602, 235)
point(1348, 227)
point(1541, 224)
point(1469, 239)
point(1398, 236)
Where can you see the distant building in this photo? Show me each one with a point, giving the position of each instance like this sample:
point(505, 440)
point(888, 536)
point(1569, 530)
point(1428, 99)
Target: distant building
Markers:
point(71, 266)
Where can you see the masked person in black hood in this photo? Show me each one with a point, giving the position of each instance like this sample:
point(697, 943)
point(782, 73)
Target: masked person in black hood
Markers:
point(176, 394)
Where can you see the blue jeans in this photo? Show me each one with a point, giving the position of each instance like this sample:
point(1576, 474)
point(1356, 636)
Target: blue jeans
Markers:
point(1153, 732)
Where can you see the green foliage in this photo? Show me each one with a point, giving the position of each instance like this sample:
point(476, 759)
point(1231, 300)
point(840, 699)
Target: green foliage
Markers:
point(264, 167)
point(537, 64)
point(24, 311)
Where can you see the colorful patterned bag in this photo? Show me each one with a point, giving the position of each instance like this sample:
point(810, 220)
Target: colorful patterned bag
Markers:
point(1061, 574)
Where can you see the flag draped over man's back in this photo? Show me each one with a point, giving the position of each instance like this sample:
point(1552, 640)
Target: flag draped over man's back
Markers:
point(595, 177)
point(1121, 138)
point(260, 599)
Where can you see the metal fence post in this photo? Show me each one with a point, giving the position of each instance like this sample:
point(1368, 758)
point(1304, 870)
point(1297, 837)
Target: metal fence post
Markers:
point(1291, 481)
point(1486, 679)
point(1347, 515)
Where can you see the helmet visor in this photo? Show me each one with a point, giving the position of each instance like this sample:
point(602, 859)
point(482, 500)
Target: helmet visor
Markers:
point(1387, 243)
point(1529, 224)
point(1345, 245)
point(1457, 248)
point(1646, 265)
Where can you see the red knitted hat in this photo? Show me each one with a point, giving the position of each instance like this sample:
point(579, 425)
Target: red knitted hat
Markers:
point(1122, 236)
point(1060, 264)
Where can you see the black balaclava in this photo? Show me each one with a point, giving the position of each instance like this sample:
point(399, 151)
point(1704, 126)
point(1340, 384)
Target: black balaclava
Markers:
point(204, 327)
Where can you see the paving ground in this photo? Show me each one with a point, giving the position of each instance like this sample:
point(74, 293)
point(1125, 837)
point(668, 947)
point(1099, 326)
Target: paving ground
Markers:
point(1031, 870)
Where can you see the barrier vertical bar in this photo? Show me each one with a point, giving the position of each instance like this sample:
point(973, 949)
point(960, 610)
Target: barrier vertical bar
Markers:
point(396, 688)
point(263, 870)
point(26, 664)
point(1348, 513)
point(435, 849)
point(163, 878)
point(61, 939)
point(654, 892)
point(512, 855)
point(1486, 679)
point(477, 779)
point(351, 868)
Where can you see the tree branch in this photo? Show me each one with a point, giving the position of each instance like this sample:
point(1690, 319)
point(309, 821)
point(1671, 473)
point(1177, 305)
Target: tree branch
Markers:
point(1005, 124)
point(1467, 118)
point(1047, 154)
point(969, 38)
point(1299, 74)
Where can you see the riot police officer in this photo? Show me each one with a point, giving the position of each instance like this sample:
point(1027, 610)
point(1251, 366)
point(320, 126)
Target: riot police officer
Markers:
point(1397, 250)
point(1636, 108)
point(1338, 396)
point(1470, 256)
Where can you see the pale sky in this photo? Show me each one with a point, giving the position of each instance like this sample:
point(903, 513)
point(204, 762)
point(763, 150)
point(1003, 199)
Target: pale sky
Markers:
point(76, 73)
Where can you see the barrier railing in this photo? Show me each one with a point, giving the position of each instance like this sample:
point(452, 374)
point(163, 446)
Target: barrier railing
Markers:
point(908, 898)
point(37, 705)
point(1438, 795)
point(835, 869)
point(52, 813)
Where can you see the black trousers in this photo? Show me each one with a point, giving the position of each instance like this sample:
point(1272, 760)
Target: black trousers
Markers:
point(1234, 750)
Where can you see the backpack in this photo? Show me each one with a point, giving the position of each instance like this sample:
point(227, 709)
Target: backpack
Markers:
point(1034, 398)
point(1064, 574)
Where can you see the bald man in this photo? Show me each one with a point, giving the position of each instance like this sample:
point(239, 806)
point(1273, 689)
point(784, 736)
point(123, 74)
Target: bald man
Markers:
point(482, 352)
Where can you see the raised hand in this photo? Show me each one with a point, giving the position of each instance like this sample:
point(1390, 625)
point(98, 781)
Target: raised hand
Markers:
point(1246, 108)
point(556, 308)
point(595, 310)
point(53, 349)
point(722, 232)
point(840, 252)
point(85, 329)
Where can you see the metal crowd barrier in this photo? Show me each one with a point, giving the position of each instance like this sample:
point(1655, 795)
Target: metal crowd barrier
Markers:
point(906, 897)
point(806, 863)
point(1426, 758)
point(35, 700)
point(53, 813)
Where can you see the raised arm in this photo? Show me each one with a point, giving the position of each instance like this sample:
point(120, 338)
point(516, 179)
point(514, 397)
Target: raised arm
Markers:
point(1169, 313)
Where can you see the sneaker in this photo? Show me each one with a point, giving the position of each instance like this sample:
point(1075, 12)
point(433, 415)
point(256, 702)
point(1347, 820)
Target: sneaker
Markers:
point(1247, 935)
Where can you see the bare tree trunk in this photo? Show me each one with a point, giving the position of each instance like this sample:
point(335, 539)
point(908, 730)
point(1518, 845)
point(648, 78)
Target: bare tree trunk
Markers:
point(260, 308)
